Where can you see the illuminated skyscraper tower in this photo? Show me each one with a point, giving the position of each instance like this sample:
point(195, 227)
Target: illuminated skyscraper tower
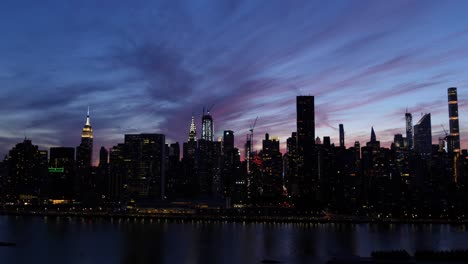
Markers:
point(453, 117)
point(409, 130)
point(207, 126)
point(453, 140)
point(193, 131)
point(85, 150)
point(84, 155)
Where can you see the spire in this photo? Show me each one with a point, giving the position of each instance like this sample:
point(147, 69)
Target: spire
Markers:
point(193, 130)
point(88, 121)
point(373, 138)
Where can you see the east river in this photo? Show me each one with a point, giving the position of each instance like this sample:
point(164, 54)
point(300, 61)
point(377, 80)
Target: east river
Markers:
point(41, 239)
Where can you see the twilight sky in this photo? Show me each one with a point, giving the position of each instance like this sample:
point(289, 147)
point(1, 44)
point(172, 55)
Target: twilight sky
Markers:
point(146, 66)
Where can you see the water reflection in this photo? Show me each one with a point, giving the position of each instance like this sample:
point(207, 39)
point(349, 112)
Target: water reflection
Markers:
point(97, 240)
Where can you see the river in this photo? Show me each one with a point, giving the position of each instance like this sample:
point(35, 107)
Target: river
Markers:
point(97, 240)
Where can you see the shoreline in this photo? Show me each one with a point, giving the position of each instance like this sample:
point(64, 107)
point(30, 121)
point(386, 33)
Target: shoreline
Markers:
point(230, 218)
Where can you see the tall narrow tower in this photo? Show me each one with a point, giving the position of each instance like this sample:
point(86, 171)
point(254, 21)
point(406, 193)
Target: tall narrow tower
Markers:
point(86, 147)
point(305, 122)
point(207, 126)
point(453, 117)
point(193, 131)
point(342, 142)
point(84, 156)
point(453, 141)
point(409, 130)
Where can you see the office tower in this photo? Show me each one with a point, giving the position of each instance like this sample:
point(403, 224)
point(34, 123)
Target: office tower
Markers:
point(342, 139)
point(174, 172)
point(326, 141)
point(230, 166)
point(409, 130)
point(84, 157)
point(228, 140)
point(307, 158)
point(453, 141)
point(103, 157)
point(61, 173)
point(27, 172)
point(272, 168)
point(290, 165)
point(119, 166)
point(207, 126)
point(305, 122)
point(146, 175)
point(398, 141)
point(357, 149)
point(291, 143)
point(102, 176)
point(453, 117)
point(423, 137)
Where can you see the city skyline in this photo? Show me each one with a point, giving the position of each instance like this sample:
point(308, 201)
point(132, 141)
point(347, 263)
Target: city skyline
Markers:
point(149, 73)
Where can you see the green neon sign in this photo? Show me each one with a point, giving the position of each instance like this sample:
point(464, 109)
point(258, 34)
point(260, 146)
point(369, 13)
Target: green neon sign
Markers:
point(54, 170)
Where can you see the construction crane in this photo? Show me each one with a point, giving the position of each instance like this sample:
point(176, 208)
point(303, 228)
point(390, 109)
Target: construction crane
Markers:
point(445, 131)
point(443, 140)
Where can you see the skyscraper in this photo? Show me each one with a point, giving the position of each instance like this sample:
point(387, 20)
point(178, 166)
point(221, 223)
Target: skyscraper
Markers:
point(423, 136)
point(61, 173)
point(84, 157)
point(228, 140)
point(193, 130)
point(306, 153)
point(27, 171)
point(453, 141)
point(85, 151)
point(342, 140)
point(305, 122)
point(207, 126)
point(146, 174)
point(409, 130)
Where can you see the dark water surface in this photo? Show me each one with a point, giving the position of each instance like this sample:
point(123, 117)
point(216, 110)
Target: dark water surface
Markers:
point(84, 240)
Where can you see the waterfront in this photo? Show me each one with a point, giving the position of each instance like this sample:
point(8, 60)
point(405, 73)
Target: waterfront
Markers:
point(99, 240)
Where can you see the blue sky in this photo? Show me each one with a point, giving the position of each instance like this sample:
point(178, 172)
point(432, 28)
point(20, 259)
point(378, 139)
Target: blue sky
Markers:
point(146, 66)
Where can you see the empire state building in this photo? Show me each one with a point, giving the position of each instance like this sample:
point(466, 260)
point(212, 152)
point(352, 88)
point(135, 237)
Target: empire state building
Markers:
point(84, 152)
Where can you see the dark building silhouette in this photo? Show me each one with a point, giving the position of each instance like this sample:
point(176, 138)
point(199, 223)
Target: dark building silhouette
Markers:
point(342, 136)
point(409, 130)
point(291, 166)
point(119, 166)
point(228, 140)
point(61, 180)
point(398, 141)
point(174, 172)
point(146, 158)
point(307, 155)
point(272, 169)
point(305, 123)
point(423, 137)
point(102, 175)
point(234, 186)
point(27, 172)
